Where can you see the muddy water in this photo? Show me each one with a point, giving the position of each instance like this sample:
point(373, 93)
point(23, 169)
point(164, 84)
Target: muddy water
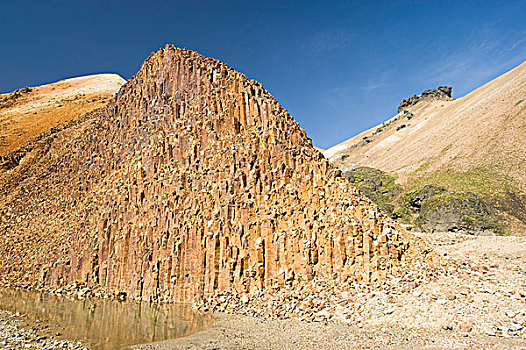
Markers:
point(105, 324)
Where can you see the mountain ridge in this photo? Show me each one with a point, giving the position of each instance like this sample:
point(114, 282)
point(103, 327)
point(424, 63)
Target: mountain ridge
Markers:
point(471, 144)
point(30, 111)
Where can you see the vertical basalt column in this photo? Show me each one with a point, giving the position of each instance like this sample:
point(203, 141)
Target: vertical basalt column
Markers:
point(195, 181)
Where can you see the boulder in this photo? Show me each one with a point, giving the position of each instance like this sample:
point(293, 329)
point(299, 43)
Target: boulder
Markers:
point(456, 212)
point(415, 198)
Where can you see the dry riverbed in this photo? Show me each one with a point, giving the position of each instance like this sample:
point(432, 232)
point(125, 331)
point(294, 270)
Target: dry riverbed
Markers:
point(245, 332)
point(476, 299)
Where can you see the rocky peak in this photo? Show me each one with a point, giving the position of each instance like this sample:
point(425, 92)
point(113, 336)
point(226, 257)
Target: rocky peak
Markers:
point(193, 181)
point(440, 93)
point(7, 100)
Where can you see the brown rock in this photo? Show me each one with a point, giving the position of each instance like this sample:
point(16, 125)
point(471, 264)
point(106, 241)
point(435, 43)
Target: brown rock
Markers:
point(192, 182)
point(465, 328)
point(448, 326)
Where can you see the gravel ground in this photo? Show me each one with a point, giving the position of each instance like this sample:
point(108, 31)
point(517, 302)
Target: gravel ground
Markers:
point(476, 299)
point(245, 332)
point(14, 334)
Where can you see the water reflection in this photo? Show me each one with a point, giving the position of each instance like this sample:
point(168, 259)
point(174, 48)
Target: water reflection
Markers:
point(105, 324)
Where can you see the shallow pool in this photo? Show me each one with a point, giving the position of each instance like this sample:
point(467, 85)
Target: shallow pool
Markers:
point(105, 324)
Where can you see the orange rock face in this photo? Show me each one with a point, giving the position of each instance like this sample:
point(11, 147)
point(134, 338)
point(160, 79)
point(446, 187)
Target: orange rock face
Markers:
point(28, 112)
point(192, 181)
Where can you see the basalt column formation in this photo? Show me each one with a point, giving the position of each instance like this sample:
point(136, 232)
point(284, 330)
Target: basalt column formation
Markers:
point(192, 181)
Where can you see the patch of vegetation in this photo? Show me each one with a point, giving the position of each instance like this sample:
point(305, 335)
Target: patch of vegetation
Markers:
point(423, 166)
point(408, 205)
point(378, 186)
point(430, 160)
point(446, 198)
point(518, 103)
point(415, 197)
point(432, 207)
point(483, 181)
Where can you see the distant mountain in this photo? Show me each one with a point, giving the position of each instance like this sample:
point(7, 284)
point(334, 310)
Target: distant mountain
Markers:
point(474, 144)
point(27, 112)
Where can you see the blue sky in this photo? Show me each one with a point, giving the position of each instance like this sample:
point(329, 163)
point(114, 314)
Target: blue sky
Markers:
point(339, 67)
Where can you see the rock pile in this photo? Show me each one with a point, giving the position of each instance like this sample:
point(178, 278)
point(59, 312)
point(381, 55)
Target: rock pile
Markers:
point(192, 182)
point(476, 288)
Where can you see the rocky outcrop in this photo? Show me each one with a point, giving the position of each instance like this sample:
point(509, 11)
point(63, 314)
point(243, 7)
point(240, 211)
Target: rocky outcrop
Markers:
point(377, 185)
point(440, 93)
point(415, 198)
point(193, 181)
point(433, 208)
point(454, 212)
point(7, 100)
point(428, 208)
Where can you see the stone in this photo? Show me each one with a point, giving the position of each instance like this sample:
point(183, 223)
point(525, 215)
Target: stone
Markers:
point(514, 327)
point(464, 290)
point(415, 199)
point(416, 293)
point(465, 328)
point(408, 115)
point(389, 311)
point(448, 326)
point(511, 314)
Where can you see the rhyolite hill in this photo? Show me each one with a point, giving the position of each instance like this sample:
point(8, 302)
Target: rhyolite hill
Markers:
point(473, 144)
point(31, 111)
point(192, 181)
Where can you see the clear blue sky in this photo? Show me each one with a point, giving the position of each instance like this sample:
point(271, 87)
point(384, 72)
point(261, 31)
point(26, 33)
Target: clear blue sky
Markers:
point(339, 67)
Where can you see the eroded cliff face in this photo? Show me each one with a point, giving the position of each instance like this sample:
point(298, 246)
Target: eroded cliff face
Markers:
point(192, 181)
